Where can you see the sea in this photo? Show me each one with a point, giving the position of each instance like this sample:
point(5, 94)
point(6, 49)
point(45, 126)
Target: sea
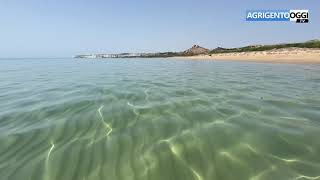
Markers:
point(158, 119)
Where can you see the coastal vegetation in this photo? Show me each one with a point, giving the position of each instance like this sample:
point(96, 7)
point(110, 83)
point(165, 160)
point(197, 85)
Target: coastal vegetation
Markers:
point(307, 44)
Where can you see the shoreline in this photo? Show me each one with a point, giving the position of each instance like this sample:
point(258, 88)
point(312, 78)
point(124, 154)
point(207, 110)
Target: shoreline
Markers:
point(284, 55)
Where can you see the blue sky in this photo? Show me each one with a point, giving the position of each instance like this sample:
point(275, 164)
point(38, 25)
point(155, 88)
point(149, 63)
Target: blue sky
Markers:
point(62, 28)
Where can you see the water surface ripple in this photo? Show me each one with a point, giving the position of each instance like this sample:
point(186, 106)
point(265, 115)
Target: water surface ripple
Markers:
point(155, 119)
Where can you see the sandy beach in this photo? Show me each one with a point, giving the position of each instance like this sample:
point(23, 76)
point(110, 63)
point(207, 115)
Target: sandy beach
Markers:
point(285, 55)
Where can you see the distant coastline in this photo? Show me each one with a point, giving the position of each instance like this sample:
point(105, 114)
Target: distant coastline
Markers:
point(305, 52)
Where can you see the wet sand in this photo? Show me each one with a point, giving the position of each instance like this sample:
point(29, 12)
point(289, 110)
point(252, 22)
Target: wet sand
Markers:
point(285, 55)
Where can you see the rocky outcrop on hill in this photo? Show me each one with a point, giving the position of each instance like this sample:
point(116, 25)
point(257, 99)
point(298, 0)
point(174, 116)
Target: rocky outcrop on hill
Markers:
point(196, 50)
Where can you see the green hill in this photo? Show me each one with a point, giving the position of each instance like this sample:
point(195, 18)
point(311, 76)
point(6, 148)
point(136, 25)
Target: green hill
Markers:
point(307, 44)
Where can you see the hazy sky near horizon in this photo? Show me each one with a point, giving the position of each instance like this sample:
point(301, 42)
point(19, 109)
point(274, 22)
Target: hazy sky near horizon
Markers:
point(62, 28)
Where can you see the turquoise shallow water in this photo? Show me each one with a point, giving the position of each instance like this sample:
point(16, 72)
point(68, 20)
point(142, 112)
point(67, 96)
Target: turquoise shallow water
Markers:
point(154, 119)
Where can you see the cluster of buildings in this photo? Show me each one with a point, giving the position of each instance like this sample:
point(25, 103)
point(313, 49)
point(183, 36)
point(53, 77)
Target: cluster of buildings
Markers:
point(122, 55)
